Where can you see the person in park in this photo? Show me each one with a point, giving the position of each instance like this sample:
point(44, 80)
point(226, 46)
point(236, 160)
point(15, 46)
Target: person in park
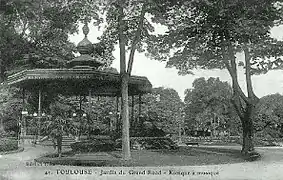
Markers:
point(57, 135)
point(56, 131)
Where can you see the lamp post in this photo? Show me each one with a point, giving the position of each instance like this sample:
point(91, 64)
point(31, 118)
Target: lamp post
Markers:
point(118, 122)
point(81, 117)
point(77, 129)
point(181, 122)
point(110, 122)
point(36, 135)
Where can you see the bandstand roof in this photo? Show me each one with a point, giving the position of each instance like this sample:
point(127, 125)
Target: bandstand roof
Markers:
point(78, 82)
point(81, 76)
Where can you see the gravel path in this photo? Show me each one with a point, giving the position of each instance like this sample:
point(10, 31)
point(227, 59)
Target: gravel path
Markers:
point(13, 166)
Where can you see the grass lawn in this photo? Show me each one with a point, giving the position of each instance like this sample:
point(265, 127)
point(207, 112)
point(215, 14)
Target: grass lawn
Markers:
point(184, 156)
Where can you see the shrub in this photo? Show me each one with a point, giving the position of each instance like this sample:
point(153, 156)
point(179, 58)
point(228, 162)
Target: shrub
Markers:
point(2, 133)
point(149, 143)
point(8, 144)
point(94, 145)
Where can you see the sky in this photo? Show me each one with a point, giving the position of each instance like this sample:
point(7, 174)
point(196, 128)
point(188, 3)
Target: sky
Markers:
point(159, 76)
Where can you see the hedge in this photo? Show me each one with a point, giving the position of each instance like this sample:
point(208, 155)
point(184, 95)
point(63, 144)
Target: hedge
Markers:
point(93, 145)
point(8, 144)
point(149, 143)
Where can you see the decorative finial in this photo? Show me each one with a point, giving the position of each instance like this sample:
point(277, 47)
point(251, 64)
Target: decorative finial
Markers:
point(85, 48)
point(85, 28)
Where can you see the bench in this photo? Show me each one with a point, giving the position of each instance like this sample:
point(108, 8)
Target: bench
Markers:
point(192, 143)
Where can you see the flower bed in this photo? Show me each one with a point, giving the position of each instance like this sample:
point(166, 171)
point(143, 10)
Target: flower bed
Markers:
point(139, 143)
point(7, 144)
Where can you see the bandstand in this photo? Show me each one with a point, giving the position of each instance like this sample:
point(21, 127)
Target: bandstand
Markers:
point(81, 77)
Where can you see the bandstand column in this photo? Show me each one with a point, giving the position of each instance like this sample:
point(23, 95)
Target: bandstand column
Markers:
point(117, 114)
point(88, 113)
point(89, 101)
point(133, 114)
point(139, 113)
point(23, 119)
point(22, 114)
point(80, 102)
point(39, 110)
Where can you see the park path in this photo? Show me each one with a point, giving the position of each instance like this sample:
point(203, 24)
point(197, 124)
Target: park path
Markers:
point(13, 166)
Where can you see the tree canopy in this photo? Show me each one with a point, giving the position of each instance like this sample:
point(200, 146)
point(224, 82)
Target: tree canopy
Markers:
point(269, 118)
point(207, 34)
point(35, 34)
point(208, 106)
point(163, 107)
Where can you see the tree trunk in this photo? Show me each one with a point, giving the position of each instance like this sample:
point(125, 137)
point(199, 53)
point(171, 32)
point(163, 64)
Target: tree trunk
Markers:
point(125, 118)
point(244, 105)
point(124, 85)
point(126, 72)
point(248, 133)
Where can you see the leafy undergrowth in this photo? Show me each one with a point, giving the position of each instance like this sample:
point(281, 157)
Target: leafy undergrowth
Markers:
point(149, 143)
point(7, 144)
point(94, 145)
point(184, 156)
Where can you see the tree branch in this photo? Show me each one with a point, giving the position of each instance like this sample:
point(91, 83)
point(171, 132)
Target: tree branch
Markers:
point(265, 126)
point(122, 45)
point(136, 39)
point(232, 69)
point(25, 27)
point(251, 94)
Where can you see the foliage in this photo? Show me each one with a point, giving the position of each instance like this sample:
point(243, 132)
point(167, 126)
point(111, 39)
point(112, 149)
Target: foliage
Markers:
point(149, 143)
point(33, 37)
point(199, 30)
point(8, 144)
point(148, 129)
point(2, 133)
point(208, 106)
point(208, 34)
point(10, 107)
point(99, 112)
point(94, 145)
point(58, 123)
point(268, 116)
point(35, 33)
point(163, 107)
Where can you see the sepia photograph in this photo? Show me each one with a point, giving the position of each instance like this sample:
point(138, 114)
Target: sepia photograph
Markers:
point(141, 89)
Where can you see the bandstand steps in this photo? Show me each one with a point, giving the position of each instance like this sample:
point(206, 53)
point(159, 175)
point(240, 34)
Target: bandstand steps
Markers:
point(67, 141)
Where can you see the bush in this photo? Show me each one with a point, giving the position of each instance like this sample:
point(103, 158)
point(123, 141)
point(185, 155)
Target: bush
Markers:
point(2, 133)
point(149, 143)
point(94, 145)
point(8, 144)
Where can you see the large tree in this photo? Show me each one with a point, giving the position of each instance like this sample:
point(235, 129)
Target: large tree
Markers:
point(10, 105)
point(128, 27)
point(163, 107)
point(207, 34)
point(208, 105)
point(269, 119)
point(34, 34)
